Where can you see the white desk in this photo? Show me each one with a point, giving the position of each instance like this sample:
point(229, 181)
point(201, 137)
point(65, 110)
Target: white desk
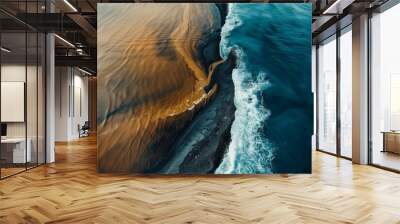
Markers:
point(18, 148)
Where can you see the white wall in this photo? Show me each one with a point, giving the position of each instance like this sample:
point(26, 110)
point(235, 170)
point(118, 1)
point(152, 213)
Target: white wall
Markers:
point(16, 73)
point(33, 127)
point(71, 102)
point(13, 72)
point(62, 81)
point(80, 109)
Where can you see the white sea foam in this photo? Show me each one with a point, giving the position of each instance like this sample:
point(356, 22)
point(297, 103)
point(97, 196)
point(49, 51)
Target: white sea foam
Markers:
point(231, 22)
point(249, 150)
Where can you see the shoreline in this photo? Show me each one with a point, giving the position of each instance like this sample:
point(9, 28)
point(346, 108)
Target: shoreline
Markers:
point(158, 84)
point(155, 81)
point(203, 143)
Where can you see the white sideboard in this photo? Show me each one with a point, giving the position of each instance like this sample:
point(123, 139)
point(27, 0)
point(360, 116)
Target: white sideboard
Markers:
point(19, 154)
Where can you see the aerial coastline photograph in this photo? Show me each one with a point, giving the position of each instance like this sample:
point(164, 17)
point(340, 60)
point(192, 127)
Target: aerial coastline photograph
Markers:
point(204, 88)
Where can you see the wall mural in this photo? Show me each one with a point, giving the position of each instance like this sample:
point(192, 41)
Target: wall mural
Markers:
point(204, 88)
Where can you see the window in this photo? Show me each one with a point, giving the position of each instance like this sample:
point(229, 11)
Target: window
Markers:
point(385, 89)
point(327, 95)
point(314, 84)
point(346, 92)
point(22, 77)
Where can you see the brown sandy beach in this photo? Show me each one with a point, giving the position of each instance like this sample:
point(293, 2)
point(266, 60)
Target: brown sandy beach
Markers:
point(151, 78)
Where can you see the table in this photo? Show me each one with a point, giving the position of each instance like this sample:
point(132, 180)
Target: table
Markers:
point(391, 141)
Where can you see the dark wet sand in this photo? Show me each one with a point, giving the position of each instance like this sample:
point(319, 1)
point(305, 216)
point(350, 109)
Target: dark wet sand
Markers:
point(152, 74)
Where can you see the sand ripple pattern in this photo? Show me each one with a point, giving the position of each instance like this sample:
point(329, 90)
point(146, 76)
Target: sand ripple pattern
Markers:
point(150, 78)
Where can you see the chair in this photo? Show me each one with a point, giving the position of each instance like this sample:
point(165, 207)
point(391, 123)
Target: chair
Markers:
point(84, 130)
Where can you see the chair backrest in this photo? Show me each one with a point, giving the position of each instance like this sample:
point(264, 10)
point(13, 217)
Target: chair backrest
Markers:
point(86, 124)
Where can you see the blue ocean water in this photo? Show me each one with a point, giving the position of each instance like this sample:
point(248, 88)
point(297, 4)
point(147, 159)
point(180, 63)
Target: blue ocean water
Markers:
point(272, 129)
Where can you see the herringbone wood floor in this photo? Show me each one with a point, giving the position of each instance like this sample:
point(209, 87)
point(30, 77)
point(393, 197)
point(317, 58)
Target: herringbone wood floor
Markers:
point(70, 191)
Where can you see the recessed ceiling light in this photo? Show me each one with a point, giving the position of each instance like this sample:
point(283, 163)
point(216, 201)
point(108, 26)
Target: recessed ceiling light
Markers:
point(5, 50)
point(84, 71)
point(64, 40)
point(70, 5)
point(337, 7)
